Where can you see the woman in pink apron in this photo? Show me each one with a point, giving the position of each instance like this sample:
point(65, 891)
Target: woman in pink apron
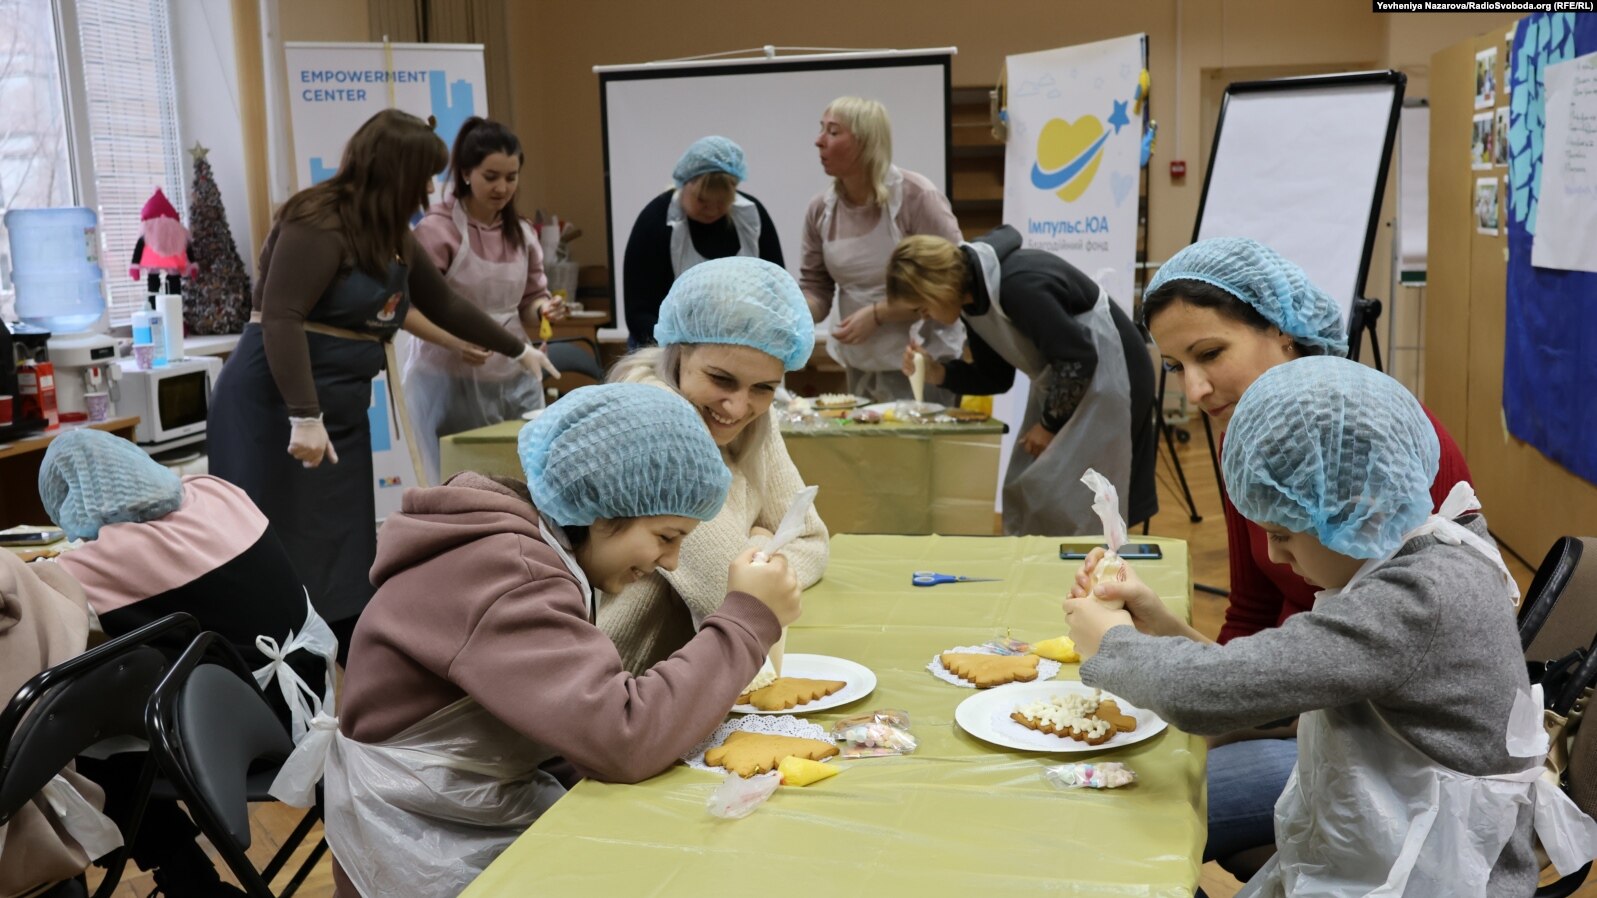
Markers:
point(490, 255)
point(850, 231)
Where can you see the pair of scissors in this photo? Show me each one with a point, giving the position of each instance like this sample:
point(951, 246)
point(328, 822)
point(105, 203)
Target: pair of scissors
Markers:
point(932, 578)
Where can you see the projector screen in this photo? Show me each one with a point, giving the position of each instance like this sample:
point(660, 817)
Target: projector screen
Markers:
point(1300, 165)
point(772, 109)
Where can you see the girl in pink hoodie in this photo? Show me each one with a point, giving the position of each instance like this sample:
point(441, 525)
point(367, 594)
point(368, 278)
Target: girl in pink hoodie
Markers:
point(477, 660)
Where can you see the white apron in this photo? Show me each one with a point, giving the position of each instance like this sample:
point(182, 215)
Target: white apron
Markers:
point(445, 394)
point(1043, 495)
point(1443, 830)
point(428, 810)
point(745, 218)
point(858, 265)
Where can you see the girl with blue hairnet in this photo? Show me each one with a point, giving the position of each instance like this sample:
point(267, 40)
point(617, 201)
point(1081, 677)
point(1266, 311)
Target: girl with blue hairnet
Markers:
point(1224, 311)
point(478, 659)
point(1420, 741)
point(705, 216)
point(728, 332)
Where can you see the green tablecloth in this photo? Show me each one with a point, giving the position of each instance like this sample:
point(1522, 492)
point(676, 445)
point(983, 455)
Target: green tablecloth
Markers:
point(874, 478)
point(957, 817)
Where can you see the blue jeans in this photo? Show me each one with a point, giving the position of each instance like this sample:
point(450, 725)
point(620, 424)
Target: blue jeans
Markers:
point(1245, 779)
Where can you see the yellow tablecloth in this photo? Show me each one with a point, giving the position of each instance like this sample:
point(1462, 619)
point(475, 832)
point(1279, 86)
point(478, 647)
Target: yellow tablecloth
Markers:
point(877, 478)
point(957, 817)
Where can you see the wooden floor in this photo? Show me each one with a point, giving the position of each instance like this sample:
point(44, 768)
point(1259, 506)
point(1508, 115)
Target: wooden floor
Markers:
point(1207, 546)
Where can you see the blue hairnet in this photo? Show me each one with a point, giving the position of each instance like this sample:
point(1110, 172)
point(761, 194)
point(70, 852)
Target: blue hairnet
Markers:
point(710, 154)
point(90, 478)
point(622, 451)
point(1259, 276)
point(1331, 447)
point(741, 300)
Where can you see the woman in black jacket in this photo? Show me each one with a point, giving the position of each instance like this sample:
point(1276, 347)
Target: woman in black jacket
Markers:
point(1091, 400)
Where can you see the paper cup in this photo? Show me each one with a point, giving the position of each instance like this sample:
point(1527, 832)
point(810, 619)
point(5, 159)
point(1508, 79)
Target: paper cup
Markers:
point(98, 405)
point(143, 355)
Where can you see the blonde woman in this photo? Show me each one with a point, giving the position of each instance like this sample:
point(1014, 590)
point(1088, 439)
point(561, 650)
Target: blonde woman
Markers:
point(1091, 399)
point(728, 332)
point(705, 216)
point(849, 232)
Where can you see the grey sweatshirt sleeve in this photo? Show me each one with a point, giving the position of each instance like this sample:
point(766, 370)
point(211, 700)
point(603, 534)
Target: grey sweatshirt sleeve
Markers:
point(1358, 646)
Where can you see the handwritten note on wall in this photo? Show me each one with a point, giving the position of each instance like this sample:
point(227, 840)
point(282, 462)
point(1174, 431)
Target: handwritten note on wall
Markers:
point(1566, 226)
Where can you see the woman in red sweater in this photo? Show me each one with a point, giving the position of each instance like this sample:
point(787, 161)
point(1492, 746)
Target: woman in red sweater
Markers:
point(1223, 311)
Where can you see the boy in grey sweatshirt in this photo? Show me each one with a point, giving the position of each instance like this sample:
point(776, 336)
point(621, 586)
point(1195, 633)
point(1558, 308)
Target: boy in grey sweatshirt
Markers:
point(1405, 672)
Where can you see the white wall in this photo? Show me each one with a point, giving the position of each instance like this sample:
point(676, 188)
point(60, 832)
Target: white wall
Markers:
point(208, 107)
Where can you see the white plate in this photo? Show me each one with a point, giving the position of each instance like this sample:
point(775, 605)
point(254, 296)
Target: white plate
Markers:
point(529, 415)
point(585, 313)
point(985, 715)
point(861, 682)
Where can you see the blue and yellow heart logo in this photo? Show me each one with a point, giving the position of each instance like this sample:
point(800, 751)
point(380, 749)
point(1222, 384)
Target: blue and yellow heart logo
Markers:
point(1068, 154)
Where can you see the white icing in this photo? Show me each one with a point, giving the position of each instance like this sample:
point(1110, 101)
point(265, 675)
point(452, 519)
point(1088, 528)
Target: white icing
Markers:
point(1072, 712)
point(764, 678)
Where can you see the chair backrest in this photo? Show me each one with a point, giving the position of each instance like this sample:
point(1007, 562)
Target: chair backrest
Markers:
point(208, 723)
point(1559, 612)
point(64, 710)
point(569, 356)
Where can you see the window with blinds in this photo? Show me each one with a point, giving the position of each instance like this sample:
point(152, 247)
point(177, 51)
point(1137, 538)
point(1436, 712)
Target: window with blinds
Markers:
point(131, 112)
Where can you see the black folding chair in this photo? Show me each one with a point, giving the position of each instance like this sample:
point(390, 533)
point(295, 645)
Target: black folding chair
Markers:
point(1558, 631)
point(210, 728)
point(63, 711)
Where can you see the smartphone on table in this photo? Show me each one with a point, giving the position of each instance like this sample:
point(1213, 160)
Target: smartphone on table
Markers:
point(1129, 551)
point(27, 535)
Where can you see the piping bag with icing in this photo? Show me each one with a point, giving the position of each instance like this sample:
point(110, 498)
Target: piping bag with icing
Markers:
point(792, 525)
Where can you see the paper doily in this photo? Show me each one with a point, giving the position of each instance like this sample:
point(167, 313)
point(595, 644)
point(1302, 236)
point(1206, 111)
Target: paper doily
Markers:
point(1046, 669)
point(785, 725)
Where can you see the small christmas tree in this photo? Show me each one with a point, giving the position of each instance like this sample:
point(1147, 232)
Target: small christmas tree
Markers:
point(217, 299)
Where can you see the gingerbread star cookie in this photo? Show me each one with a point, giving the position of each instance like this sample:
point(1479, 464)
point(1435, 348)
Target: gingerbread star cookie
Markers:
point(746, 754)
point(990, 670)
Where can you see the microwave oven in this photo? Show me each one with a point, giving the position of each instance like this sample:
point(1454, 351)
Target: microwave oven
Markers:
point(172, 402)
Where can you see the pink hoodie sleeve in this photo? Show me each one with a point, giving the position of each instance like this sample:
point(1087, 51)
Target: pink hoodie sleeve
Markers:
point(535, 662)
point(537, 281)
point(440, 238)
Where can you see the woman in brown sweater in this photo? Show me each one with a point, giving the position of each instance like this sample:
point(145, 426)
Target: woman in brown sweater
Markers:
point(338, 273)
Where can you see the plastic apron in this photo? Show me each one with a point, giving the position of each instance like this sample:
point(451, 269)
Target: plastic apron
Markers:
point(745, 218)
point(432, 807)
point(1441, 831)
point(858, 265)
point(445, 394)
point(325, 516)
point(1043, 495)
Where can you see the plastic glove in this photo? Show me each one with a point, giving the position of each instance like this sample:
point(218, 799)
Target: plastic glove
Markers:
point(536, 363)
point(308, 442)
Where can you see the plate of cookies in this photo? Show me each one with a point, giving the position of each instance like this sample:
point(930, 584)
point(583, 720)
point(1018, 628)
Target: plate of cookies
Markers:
point(828, 401)
point(982, 667)
point(1062, 716)
point(809, 683)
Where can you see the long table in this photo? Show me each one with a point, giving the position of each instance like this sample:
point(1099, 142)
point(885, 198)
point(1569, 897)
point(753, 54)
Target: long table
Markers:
point(957, 817)
point(874, 478)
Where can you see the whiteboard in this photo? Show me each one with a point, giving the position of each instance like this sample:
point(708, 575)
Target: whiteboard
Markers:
point(772, 109)
point(1299, 164)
